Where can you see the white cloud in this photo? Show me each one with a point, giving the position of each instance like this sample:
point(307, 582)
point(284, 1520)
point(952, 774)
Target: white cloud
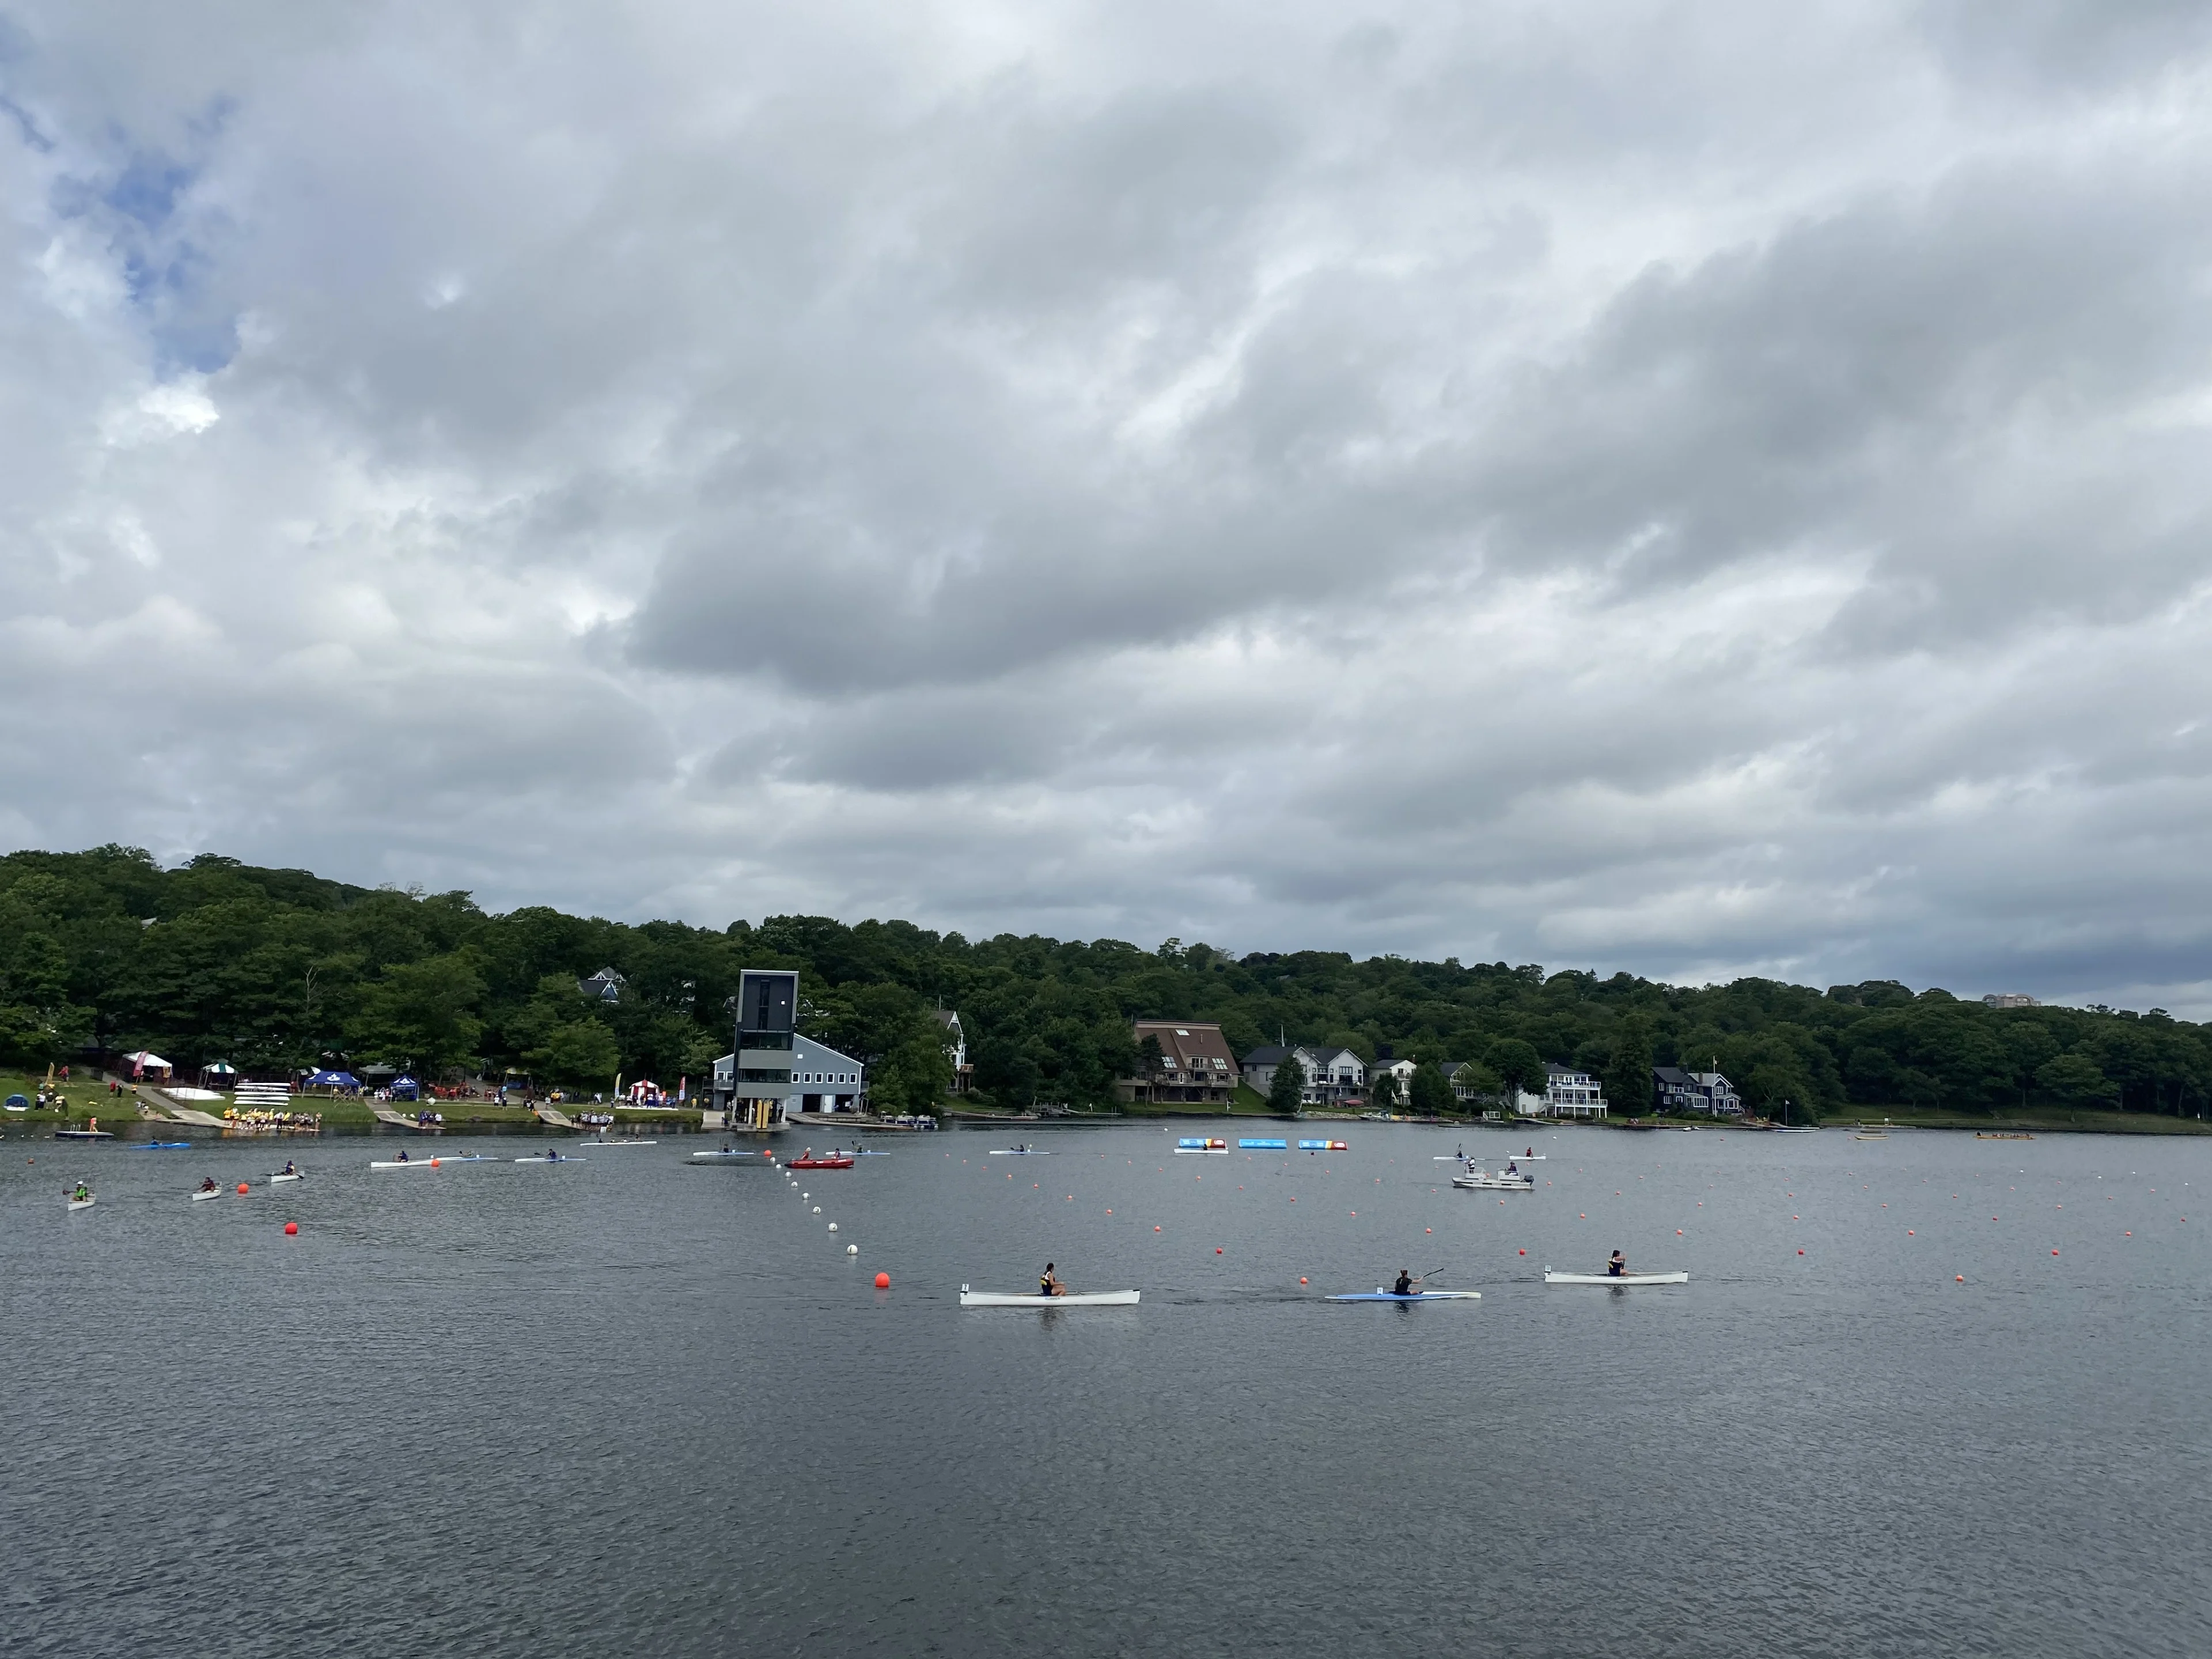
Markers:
point(1697, 492)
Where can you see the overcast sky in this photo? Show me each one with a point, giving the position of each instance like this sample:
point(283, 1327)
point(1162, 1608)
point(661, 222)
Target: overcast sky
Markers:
point(1701, 488)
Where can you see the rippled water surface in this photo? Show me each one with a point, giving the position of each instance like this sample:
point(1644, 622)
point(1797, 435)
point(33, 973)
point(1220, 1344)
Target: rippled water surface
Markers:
point(632, 1406)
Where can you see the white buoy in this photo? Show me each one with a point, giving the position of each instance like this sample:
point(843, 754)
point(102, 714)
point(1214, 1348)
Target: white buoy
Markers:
point(852, 1250)
point(817, 1209)
point(833, 1226)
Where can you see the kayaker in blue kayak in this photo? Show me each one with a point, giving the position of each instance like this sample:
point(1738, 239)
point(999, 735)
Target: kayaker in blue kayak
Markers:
point(1048, 1282)
point(1405, 1284)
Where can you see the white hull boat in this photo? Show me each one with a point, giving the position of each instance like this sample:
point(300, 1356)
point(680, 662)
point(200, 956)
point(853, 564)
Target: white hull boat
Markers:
point(1074, 1299)
point(1551, 1278)
point(80, 1203)
point(279, 1180)
point(1490, 1183)
point(201, 1197)
point(541, 1159)
point(1016, 1151)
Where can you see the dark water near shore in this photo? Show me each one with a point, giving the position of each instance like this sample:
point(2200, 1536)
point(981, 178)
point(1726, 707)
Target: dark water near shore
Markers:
point(637, 1407)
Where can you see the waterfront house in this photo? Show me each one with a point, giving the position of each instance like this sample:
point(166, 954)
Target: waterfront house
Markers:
point(1334, 1075)
point(1567, 1093)
point(1197, 1067)
point(1674, 1090)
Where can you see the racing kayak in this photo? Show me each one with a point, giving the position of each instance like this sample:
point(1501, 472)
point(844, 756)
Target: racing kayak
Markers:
point(1378, 1294)
point(622, 1143)
point(197, 1197)
point(820, 1163)
point(275, 1179)
point(1551, 1278)
point(558, 1157)
point(764, 1154)
point(1479, 1182)
point(1003, 1151)
point(1001, 1299)
point(158, 1146)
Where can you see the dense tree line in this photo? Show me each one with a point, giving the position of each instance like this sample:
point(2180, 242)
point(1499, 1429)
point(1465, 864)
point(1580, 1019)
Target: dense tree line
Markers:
point(274, 970)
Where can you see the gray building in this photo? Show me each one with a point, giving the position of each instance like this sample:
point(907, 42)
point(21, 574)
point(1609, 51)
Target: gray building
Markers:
point(775, 1071)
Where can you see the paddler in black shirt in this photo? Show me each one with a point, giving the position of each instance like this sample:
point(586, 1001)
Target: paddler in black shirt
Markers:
point(1405, 1284)
point(1048, 1283)
point(1618, 1267)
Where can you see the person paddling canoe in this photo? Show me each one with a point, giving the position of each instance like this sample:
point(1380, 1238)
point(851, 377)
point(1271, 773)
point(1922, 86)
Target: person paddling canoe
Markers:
point(1048, 1282)
point(288, 1169)
point(1617, 1267)
point(80, 1194)
point(208, 1186)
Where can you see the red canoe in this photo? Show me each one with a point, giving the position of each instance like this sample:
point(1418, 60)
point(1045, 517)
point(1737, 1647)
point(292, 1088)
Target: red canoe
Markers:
point(819, 1163)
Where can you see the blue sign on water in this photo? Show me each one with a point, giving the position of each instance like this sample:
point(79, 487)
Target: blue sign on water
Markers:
point(1313, 1146)
point(1264, 1145)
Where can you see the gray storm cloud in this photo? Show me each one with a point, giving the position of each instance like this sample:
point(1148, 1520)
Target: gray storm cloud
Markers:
point(1684, 491)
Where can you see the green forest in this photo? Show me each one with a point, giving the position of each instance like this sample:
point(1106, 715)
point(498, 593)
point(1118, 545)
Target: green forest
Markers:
point(105, 952)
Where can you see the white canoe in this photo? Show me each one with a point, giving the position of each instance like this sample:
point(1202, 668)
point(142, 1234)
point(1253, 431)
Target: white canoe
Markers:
point(402, 1163)
point(276, 1179)
point(197, 1197)
point(1029, 1152)
point(620, 1143)
point(1093, 1299)
point(80, 1203)
point(1551, 1278)
point(1203, 1152)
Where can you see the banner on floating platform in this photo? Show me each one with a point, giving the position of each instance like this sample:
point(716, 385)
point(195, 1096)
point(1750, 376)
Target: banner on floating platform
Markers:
point(1200, 1143)
point(1321, 1146)
point(1263, 1146)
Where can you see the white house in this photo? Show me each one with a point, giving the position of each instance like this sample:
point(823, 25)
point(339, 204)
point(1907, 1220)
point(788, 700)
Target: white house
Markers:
point(1567, 1093)
point(1332, 1075)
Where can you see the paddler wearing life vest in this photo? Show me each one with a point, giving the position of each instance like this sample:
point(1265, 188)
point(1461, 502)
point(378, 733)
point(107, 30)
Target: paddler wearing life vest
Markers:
point(1618, 1267)
point(1048, 1283)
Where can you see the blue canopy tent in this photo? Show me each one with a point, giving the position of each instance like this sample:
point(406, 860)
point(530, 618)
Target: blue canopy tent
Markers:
point(405, 1088)
point(333, 1080)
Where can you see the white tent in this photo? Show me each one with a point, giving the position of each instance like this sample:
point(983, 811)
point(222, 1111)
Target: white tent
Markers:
point(147, 1059)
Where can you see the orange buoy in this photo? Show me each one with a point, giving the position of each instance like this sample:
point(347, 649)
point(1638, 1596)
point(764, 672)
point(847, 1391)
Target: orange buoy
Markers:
point(242, 1186)
point(2054, 1253)
point(1524, 1252)
point(1678, 1232)
point(1302, 1279)
point(1156, 1229)
point(1908, 1232)
point(1217, 1250)
point(292, 1228)
point(1962, 1279)
point(1428, 1230)
point(1800, 1252)
point(883, 1281)
point(434, 1163)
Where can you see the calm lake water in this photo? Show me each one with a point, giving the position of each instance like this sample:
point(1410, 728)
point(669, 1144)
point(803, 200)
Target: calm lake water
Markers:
point(635, 1406)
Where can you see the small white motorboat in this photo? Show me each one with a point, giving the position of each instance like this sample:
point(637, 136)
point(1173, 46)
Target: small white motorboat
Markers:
point(1072, 1299)
point(1478, 1180)
point(1551, 1278)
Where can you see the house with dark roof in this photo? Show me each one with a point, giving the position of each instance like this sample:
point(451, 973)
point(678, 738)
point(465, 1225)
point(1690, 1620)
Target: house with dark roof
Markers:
point(1674, 1090)
point(1196, 1066)
point(1334, 1075)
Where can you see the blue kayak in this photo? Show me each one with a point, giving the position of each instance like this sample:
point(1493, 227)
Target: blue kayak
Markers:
point(157, 1146)
point(1418, 1296)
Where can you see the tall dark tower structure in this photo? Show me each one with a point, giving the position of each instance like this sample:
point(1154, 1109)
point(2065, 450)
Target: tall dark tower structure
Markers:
point(768, 1014)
